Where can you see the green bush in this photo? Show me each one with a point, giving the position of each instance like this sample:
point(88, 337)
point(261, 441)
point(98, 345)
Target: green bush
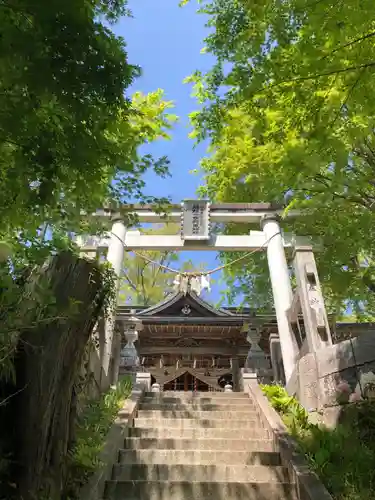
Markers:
point(93, 425)
point(344, 457)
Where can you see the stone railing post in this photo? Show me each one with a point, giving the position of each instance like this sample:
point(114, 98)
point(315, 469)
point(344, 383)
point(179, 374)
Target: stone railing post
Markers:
point(143, 381)
point(247, 377)
point(314, 313)
point(116, 358)
point(276, 358)
point(236, 373)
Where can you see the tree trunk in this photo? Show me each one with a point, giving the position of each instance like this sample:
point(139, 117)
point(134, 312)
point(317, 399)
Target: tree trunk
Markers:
point(48, 362)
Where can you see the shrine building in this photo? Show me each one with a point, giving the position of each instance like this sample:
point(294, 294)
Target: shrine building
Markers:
point(186, 344)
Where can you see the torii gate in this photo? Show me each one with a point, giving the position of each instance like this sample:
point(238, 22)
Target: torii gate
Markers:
point(195, 217)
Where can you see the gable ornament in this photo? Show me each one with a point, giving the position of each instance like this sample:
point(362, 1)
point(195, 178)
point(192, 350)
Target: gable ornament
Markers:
point(186, 310)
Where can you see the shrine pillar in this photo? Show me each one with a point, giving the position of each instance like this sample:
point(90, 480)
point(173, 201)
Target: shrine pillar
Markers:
point(115, 257)
point(281, 288)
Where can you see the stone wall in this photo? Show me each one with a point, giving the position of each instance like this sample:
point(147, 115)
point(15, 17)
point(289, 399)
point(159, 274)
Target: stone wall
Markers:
point(344, 331)
point(344, 372)
point(99, 382)
point(95, 379)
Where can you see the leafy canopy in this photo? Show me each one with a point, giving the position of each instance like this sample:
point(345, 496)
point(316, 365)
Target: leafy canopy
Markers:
point(69, 136)
point(66, 126)
point(289, 112)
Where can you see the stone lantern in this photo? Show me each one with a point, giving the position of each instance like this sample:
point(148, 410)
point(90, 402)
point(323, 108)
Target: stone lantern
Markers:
point(256, 359)
point(129, 360)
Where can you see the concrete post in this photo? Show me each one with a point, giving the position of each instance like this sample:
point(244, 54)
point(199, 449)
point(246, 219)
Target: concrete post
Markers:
point(236, 374)
point(282, 290)
point(115, 257)
point(116, 358)
point(276, 358)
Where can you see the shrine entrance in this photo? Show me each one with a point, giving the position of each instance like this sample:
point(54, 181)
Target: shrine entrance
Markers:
point(188, 383)
point(200, 221)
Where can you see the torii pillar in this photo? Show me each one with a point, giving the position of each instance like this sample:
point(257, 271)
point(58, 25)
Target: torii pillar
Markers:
point(281, 288)
point(115, 257)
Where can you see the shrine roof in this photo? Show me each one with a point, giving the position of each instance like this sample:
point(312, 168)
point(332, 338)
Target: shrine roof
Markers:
point(189, 302)
point(181, 313)
point(189, 308)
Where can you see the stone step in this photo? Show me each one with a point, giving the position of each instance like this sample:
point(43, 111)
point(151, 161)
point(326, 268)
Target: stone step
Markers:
point(185, 398)
point(187, 490)
point(201, 395)
point(242, 405)
point(198, 433)
point(201, 473)
point(187, 423)
point(208, 444)
point(213, 414)
point(188, 457)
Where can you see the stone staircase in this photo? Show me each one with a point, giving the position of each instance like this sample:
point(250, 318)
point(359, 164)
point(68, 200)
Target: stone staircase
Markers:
point(207, 446)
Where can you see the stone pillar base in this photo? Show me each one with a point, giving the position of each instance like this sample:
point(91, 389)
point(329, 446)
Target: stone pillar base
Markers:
point(246, 377)
point(143, 381)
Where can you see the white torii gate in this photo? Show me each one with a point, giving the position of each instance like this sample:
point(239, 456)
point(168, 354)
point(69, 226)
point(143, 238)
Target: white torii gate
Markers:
point(195, 217)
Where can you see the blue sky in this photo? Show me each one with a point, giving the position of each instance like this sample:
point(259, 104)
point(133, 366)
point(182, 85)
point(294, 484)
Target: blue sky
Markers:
point(165, 41)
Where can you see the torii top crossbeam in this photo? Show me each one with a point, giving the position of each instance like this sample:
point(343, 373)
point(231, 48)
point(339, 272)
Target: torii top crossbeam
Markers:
point(221, 212)
point(195, 217)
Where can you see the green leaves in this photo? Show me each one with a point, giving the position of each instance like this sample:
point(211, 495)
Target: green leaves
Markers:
point(290, 120)
point(342, 457)
point(294, 415)
point(66, 129)
point(92, 427)
point(69, 139)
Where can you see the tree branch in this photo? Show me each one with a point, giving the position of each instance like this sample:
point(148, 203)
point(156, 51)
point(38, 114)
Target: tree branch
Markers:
point(320, 75)
point(162, 262)
point(349, 44)
point(347, 97)
point(5, 5)
point(146, 298)
point(363, 199)
point(132, 285)
point(4, 401)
